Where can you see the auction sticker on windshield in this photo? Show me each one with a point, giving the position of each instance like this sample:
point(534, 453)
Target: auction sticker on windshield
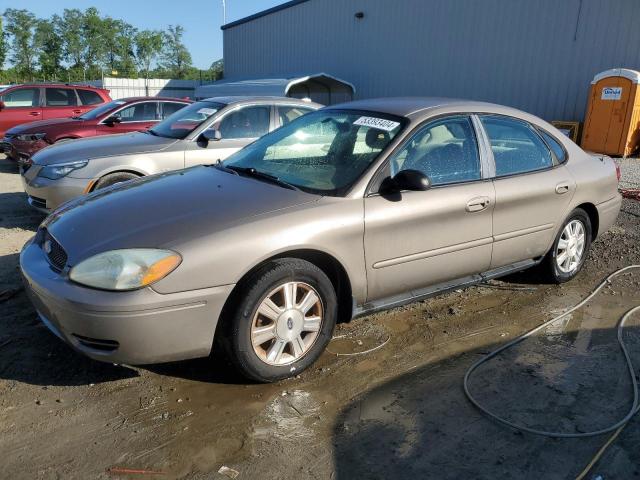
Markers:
point(207, 111)
point(379, 123)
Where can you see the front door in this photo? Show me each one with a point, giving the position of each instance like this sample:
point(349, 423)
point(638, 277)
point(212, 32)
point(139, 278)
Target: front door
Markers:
point(417, 239)
point(133, 118)
point(21, 105)
point(533, 190)
point(238, 128)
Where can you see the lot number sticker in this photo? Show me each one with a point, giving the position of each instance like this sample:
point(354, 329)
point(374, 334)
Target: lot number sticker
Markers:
point(611, 93)
point(379, 123)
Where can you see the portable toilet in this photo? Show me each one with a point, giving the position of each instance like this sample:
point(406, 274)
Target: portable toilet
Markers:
point(612, 123)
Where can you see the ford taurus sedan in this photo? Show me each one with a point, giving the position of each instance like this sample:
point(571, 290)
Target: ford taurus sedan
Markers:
point(119, 116)
point(203, 132)
point(343, 212)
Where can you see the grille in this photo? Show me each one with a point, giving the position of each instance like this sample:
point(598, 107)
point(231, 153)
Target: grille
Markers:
point(97, 343)
point(37, 202)
point(53, 250)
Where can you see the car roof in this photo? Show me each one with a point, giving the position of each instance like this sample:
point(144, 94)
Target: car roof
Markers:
point(231, 100)
point(413, 106)
point(163, 99)
point(54, 84)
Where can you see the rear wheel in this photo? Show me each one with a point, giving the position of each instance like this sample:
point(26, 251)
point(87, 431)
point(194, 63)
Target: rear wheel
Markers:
point(282, 321)
point(113, 178)
point(570, 249)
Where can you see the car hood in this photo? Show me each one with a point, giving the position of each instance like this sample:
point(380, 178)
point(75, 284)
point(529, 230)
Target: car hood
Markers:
point(102, 146)
point(165, 211)
point(37, 126)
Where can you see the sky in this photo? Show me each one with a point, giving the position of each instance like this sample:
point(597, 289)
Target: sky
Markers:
point(201, 19)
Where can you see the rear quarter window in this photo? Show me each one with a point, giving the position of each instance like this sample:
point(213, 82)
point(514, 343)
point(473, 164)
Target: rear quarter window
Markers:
point(555, 146)
point(89, 97)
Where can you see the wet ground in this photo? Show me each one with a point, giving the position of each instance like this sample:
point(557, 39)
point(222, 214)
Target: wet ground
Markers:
point(396, 412)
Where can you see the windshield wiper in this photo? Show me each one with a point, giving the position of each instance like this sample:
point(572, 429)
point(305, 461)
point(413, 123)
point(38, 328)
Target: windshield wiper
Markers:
point(151, 132)
point(252, 172)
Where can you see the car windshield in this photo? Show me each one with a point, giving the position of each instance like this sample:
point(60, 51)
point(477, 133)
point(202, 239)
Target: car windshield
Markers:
point(186, 120)
point(322, 152)
point(101, 110)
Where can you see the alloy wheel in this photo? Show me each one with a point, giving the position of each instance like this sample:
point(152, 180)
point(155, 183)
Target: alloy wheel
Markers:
point(571, 247)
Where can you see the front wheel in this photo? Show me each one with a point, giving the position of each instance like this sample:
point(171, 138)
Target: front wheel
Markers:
point(570, 249)
point(114, 178)
point(283, 320)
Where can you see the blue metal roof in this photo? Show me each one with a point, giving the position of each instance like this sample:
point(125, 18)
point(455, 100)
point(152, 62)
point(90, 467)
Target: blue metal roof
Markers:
point(264, 13)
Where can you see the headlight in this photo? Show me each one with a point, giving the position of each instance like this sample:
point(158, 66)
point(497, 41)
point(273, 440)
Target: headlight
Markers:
point(54, 172)
point(125, 269)
point(30, 137)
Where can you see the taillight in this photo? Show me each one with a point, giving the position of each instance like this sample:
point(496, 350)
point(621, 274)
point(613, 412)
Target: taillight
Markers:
point(618, 172)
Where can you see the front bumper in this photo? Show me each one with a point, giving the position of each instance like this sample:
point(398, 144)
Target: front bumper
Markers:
point(45, 194)
point(136, 327)
point(20, 151)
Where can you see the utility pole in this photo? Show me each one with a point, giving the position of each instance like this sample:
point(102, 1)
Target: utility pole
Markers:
point(224, 12)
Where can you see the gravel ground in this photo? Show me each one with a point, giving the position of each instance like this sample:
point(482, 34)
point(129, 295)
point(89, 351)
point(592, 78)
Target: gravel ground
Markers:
point(630, 169)
point(398, 412)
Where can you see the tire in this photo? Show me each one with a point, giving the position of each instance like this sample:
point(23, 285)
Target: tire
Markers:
point(555, 269)
point(114, 178)
point(293, 339)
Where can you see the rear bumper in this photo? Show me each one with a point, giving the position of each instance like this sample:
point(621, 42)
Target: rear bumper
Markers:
point(608, 213)
point(137, 327)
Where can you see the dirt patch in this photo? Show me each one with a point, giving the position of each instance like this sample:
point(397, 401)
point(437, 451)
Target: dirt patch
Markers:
point(396, 412)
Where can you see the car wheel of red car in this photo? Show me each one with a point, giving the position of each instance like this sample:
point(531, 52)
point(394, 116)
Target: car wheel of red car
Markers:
point(114, 178)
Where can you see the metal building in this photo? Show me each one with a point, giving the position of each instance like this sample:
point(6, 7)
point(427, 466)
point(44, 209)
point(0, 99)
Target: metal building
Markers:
point(537, 55)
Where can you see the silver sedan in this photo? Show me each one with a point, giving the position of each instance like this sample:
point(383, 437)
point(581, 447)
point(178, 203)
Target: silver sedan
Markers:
point(204, 132)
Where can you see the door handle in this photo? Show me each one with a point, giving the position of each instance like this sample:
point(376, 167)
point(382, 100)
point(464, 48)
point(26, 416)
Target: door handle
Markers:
point(562, 188)
point(34, 114)
point(478, 204)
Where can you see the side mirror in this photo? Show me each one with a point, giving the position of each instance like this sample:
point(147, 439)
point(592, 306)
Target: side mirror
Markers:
point(111, 121)
point(412, 180)
point(2, 105)
point(211, 135)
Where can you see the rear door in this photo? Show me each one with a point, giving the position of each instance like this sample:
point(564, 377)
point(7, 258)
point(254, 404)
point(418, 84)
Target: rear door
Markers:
point(417, 239)
point(60, 102)
point(238, 128)
point(131, 118)
point(533, 190)
point(21, 105)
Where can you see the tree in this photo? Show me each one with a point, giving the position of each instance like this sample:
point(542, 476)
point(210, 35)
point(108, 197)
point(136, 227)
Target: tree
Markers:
point(118, 39)
point(148, 45)
point(3, 46)
point(176, 59)
point(72, 39)
point(20, 29)
point(49, 46)
point(217, 70)
point(94, 51)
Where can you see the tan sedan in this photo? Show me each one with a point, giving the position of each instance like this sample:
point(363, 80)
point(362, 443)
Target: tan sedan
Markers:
point(345, 211)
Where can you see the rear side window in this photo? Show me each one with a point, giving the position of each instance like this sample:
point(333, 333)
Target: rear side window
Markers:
point(516, 147)
point(23, 97)
point(169, 108)
point(89, 97)
point(140, 112)
point(555, 147)
point(287, 114)
point(445, 150)
point(60, 97)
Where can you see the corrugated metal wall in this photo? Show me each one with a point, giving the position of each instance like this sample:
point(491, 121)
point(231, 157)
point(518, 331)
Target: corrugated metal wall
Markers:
point(537, 55)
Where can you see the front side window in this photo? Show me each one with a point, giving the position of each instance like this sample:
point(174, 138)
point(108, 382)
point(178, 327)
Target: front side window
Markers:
point(516, 147)
point(140, 112)
point(186, 120)
point(288, 113)
point(22, 97)
point(60, 97)
point(247, 122)
point(445, 150)
point(89, 97)
point(323, 152)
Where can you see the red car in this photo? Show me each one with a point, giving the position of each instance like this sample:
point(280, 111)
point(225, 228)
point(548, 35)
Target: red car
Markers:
point(118, 116)
point(25, 103)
